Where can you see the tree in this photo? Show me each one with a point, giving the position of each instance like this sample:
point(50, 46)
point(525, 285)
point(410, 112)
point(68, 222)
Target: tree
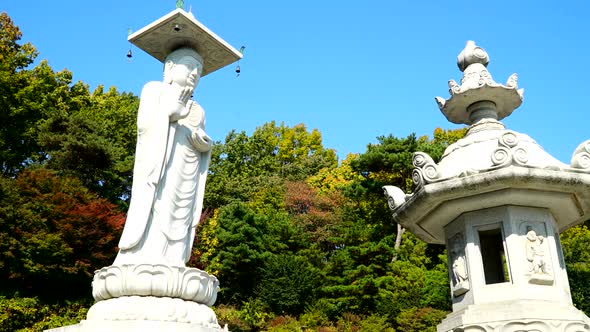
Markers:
point(576, 253)
point(16, 142)
point(54, 234)
point(243, 164)
point(390, 163)
point(95, 142)
point(316, 215)
point(377, 268)
point(288, 284)
point(355, 275)
point(335, 179)
point(60, 124)
point(241, 234)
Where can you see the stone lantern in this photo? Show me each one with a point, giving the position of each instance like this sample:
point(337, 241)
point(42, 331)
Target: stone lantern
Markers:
point(498, 201)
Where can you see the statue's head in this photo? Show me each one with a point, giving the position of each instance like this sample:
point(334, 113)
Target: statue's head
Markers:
point(183, 66)
point(531, 235)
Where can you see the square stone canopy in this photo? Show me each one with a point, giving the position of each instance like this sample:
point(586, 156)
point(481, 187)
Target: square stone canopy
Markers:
point(180, 29)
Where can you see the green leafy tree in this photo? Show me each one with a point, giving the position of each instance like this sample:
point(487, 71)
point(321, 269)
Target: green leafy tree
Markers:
point(390, 163)
point(576, 252)
point(288, 283)
point(335, 179)
point(242, 164)
point(387, 163)
point(95, 142)
point(242, 249)
point(378, 267)
point(16, 142)
point(59, 123)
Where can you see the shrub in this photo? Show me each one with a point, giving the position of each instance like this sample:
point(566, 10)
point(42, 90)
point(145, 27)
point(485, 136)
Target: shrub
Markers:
point(231, 316)
point(375, 323)
point(318, 315)
point(284, 324)
point(31, 314)
point(288, 284)
point(255, 314)
point(419, 320)
point(18, 313)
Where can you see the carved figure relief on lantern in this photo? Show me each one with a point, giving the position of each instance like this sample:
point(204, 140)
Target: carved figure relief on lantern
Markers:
point(539, 269)
point(458, 261)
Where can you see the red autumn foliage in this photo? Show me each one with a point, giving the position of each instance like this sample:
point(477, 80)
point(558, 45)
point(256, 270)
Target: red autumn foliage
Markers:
point(55, 232)
point(316, 214)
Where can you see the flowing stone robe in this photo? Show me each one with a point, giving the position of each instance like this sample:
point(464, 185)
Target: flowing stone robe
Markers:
point(172, 159)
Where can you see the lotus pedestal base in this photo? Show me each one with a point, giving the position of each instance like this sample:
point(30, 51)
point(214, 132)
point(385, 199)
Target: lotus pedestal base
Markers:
point(150, 298)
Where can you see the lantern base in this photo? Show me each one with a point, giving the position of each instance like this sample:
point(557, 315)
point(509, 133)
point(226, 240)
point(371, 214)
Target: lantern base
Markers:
point(523, 315)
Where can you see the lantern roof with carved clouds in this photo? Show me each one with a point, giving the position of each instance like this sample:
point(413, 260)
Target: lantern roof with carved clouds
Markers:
point(491, 166)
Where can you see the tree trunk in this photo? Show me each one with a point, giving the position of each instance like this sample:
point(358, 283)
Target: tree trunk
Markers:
point(398, 241)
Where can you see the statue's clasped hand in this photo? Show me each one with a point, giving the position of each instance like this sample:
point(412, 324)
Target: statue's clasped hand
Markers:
point(200, 140)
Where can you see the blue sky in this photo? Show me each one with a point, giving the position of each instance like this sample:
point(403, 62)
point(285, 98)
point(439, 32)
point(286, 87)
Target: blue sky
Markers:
point(352, 70)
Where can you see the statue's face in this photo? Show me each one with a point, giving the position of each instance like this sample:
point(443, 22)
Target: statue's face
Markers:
point(531, 236)
point(184, 72)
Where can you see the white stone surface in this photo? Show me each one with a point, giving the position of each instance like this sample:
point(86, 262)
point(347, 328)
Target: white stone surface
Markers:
point(515, 223)
point(516, 316)
point(155, 280)
point(458, 271)
point(581, 157)
point(134, 326)
point(130, 308)
point(565, 194)
point(477, 85)
point(490, 166)
point(171, 162)
point(395, 196)
point(498, 201)
point(146, 313)
point(148, 288)
point(181, 29)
